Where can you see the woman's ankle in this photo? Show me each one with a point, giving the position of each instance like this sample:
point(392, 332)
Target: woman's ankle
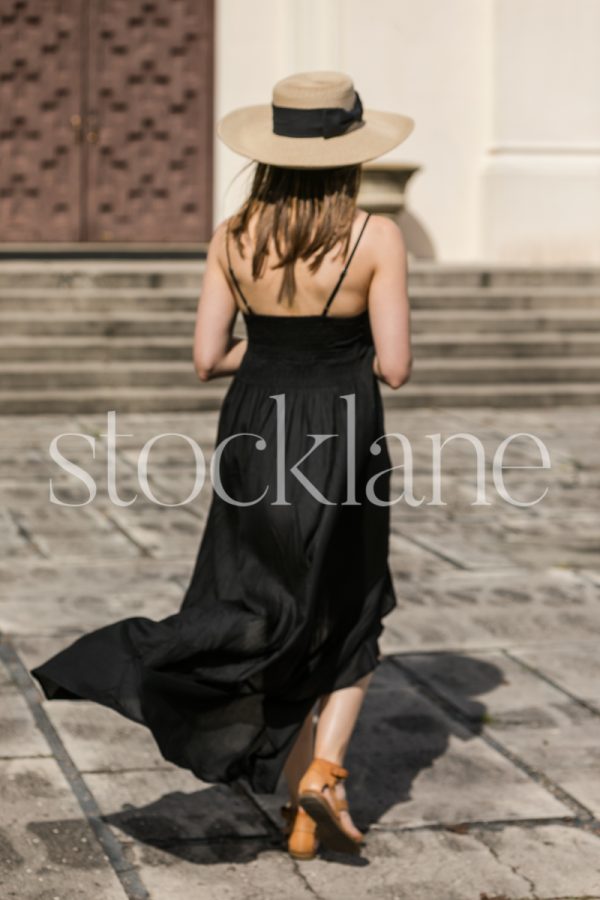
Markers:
point(332, 756)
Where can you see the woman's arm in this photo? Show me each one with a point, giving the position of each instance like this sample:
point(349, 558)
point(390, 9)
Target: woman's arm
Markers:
point(389, 309)
point(229, 362)
point(216, 351)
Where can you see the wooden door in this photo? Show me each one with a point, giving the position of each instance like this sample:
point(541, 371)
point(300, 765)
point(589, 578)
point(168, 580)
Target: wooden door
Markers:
point(40, 93)
point(106, 120)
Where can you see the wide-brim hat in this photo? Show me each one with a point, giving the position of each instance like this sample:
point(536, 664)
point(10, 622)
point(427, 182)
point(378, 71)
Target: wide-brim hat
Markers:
point(315, 120)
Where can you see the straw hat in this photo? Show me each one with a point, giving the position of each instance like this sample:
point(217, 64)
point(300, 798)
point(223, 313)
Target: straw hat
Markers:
point(315, 120)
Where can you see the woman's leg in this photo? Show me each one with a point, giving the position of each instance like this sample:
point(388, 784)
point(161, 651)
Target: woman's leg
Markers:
point(337, 718)
point(300, 757)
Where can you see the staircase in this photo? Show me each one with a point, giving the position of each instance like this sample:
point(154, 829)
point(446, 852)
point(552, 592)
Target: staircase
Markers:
point(89, 336)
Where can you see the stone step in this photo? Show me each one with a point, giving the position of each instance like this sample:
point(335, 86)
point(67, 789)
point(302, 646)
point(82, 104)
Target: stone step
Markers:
point(100, 400)
point(96, 325)
point(78, 336)
point(83, 349)
point(453, 321)
point(501, 275)
point(134, 300)
point(424, 321)
point(470, 346)
point(49, 375)
point(207, 397)
point(38, 348)
point(512, 299)
point(60, 300)
point(100, 274)
point(112, 273)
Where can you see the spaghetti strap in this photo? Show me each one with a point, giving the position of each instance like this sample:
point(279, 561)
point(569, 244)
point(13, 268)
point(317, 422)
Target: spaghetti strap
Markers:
point(345, 269)
point(233, 275)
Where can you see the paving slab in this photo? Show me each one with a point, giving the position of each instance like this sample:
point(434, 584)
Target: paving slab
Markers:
point(457, 498)
point(592, 575)
point(557, 861)
point(219, 870)
point(573, 666)
point(95, 737)
point(170, 806)
point(63, 531)
point(48, 849)
point(409, 560)
point(69, 599)
point(99, 739)
point(20, 736)
point(468, 544)
point(413, 765)
point(123, 575)
point(34, 463)
point(493, 608)
point(141, 427)
point(487, 701)
point(570, 537)
point(554, 734)
point(31, 431)
point(170, 451)
point(13, 542)
point(179, 484)
point(418, 865)
point(160, 531)
point(163, 524)
point(80, 610)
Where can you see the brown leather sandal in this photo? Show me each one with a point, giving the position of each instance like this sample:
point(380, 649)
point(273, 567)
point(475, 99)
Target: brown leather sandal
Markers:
point(301, 831)
point(322, 774)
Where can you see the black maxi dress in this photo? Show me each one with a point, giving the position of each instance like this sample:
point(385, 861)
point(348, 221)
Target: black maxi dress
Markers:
point(291, 580)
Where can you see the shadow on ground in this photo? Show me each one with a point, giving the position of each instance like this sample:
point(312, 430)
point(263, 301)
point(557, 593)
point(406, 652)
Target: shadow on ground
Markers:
point(400, 732)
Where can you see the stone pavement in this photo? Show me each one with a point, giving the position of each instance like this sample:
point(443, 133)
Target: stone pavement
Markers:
point(475, 766)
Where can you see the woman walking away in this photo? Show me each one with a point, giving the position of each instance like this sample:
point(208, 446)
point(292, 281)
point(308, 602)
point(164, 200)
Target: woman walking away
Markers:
point(263, 669)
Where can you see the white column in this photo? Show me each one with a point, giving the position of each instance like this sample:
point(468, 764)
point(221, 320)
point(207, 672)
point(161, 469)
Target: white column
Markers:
point(314, 34)
point(541, 177)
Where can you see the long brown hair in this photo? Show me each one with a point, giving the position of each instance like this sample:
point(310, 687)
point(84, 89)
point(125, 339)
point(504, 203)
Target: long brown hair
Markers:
point(305, 211)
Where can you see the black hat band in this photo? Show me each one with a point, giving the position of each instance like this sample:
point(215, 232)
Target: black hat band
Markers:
point(326, 121)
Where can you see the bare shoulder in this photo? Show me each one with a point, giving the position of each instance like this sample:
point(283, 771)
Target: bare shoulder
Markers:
point(216, 248)
point(218, 235)
point(385, 235)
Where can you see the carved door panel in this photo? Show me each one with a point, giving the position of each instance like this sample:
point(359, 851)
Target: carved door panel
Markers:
point(150, 115)
point(106, 120)
point(40, 120)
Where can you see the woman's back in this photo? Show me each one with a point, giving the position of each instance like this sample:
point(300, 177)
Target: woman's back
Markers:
point(339, 287)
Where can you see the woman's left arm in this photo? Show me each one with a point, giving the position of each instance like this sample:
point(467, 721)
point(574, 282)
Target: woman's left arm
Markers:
point(216, 351)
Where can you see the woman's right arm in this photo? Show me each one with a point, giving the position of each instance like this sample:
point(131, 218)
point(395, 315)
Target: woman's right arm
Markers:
point(389, 308)
point(216, 351)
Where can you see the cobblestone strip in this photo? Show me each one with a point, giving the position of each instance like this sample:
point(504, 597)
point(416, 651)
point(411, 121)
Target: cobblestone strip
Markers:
point(128, 877)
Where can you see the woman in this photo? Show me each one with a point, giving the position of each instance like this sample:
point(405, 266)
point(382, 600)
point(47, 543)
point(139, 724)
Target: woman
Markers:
point(291, 581)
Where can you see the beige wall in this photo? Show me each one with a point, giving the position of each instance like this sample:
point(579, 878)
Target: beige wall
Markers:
point(541, 184)
point(504, 93)
point(258, 42)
